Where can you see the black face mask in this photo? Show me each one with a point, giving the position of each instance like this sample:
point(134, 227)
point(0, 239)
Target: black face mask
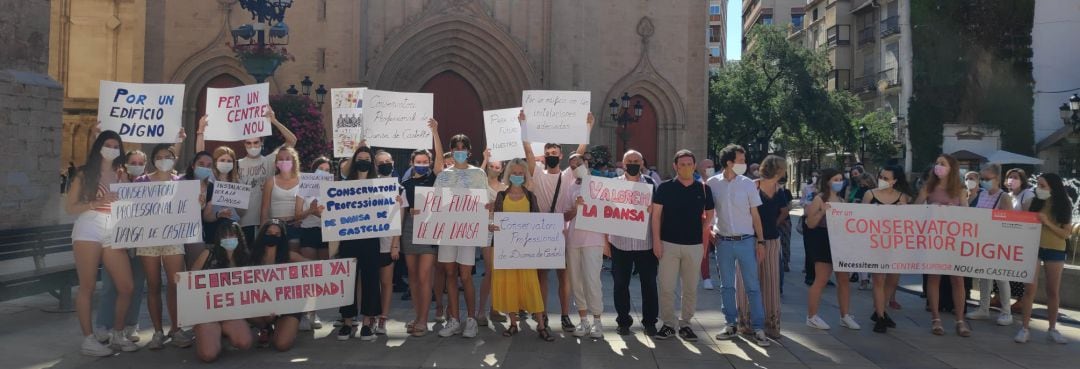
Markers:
point(633, 169)
point(363, 165)
point(386, 169)
point(271, 241)
point(551, 161)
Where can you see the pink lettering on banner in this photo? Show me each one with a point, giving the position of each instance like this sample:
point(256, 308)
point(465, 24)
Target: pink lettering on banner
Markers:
point(451, 217)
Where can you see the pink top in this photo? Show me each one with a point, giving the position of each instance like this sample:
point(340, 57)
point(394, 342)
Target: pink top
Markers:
point(146, 178)
point(940, 197)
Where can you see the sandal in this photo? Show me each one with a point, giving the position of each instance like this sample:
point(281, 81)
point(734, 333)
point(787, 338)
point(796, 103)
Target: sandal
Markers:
point(936, 328)
point(410, 326)
point(510, 332)
point(962, 329)
point(419, 331)
point(544, 334)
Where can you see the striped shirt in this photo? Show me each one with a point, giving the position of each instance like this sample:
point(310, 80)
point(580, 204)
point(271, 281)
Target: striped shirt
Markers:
point(633, 244)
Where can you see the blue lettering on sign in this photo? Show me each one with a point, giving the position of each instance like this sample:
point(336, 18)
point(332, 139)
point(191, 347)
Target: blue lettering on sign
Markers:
point(142, 130)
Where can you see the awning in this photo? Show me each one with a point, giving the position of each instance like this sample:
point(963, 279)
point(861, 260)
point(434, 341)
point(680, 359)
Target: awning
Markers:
point(1005, 157)
point(964, 155)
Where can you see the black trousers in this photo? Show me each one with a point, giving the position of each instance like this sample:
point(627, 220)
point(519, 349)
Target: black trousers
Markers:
point(623, 265)
point(366, 253)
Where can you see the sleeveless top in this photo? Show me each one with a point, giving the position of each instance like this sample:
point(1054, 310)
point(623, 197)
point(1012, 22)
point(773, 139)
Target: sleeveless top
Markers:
point(102, 190)
point(987, 201)
point(941, 197)
point(283, 201)
point(216, 259)
point(874, 200)
point(516, 206)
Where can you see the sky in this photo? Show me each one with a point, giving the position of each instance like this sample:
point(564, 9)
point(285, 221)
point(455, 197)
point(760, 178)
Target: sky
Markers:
point(734, 30)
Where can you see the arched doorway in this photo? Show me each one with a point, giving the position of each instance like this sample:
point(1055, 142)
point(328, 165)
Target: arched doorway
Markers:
point(458, 110)
point(642, 133)
point(219, 81)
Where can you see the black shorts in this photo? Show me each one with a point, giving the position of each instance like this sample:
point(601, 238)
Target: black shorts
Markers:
point(312, 238)
point(385, 259)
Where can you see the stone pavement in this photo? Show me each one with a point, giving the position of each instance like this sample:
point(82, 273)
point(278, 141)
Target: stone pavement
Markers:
point(31, 338)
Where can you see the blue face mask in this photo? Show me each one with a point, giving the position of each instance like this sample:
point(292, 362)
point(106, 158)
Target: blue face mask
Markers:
point(202, 173)
point(837, 186)
point(422, 170)
point(229, 243)
point(517, 180)
point(461, 156)
point(987, 184)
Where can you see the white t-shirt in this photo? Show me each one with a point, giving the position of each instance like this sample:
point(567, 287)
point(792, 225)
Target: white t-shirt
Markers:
point(472, 178)
point(385, 243)
point(544, 184)
point(254, 172)
point(578, 237)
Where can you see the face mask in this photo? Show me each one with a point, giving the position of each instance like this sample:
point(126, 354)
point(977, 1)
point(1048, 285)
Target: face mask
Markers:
point(987, 184)
point(135, 170)
point(254, 151)
point(1012, 183)
point(971, 184)
point(633, 169)
point(757, 173)
point(551, 161)
point(202, 173)
point(363, 165)
point(940, 171)
point(317, 171)
point(109, 154)
point(883, 184)
point(739, 169)
point(229, 243)
point(224, 167)
point(709, 172)
point(517, 180)
point(269, 241)
point(386, 169)
point(581, 172)
point(686, 173)
point(284, 165)
point(619, 172)
point(837, 186)
point(461, 156)
point(421, 169)
point(813, 179)
point(1042, 194)
point(164, 165)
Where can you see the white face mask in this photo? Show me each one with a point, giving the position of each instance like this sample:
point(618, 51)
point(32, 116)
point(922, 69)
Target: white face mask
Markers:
point(581, 172)
point(883, 184)
point(619, 171)
point(1042, 194)
point(224, 167)
point(254, 151)
point(135, 170)
point(164, 165)
point(109, 154)
point(739, 169)
point(709, 172)
point(971, 184)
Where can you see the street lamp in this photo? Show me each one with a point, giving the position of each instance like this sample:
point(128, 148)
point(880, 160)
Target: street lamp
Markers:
point(623, 116)
point(863, 131)
point(292, 90)
point(256, 44)
point(305, 86)
point(320, 95)
point(1070, 112)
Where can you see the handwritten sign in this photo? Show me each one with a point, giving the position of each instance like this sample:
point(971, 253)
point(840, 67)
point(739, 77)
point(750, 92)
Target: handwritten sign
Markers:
point(556, 116)
point(141, 113)
point(215, 295)
point(309, 183)
point(238, 113)
point(365, 208)
point(155, 214)
point(529, 241)
point(451, 217)
point(615, 206)
point(233, 195)
point(931, 239)
point(503, 132)
point(397, 119)
point(347, 113)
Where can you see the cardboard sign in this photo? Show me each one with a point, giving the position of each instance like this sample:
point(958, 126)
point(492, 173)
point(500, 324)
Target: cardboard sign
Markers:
point(233, 195)
point(556, 116)
point(615, 206)
point(248, 292)
point(347, 114)
point(397, 119)
point(141, 113)
point(933, 239)
point(503, 133)
point(529, 241)
point(451, 217)
point(309, 183)
point(365, 208)
point(155, 214)
point(238, 113)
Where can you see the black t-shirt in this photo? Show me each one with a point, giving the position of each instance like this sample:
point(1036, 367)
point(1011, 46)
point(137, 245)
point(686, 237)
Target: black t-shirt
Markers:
point(769, 211)
point(680, 221)
point(411, 183)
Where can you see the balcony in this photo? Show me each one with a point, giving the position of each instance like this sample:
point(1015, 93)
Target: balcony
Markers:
point(890, 77)
point(890, 26)
point(865, 84)
point(839, 35)
point(867, 36)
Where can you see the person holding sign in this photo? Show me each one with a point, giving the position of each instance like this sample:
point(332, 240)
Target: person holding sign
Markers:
point(224, 170)
point(945, 188)
point(629, 255)
point(892, 189)
point(992, 197)
point(584, 261)
point(819, 251)
point(367, 300)
point(91, 200)
point(389, 249)
point(312, 246)
point(200, 169)
point(271, 247)
point(549, 183)
point(420, 259)
point(494, 170)
point(518, 289)
point(1055, 212)
point(227, 247)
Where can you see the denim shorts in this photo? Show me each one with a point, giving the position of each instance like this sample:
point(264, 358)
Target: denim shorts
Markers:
point(1051, 255)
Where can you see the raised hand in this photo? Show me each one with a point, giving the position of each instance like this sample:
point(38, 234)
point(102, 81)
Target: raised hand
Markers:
point(521, 116)
point(202, 124)
point(433, 124)
point(180, 137)
point(589, 120)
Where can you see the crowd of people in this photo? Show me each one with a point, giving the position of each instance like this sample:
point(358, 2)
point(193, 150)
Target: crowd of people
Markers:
point(736, 212)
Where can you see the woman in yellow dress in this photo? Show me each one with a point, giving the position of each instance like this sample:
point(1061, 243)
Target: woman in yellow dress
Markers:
point(517, 289)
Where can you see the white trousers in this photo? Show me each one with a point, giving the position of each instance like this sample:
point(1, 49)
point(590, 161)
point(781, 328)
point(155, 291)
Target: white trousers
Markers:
point(584, 265)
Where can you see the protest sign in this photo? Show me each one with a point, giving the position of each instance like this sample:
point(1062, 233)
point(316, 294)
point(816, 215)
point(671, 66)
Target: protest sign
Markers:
point(451, 217)
point(216, 295)
point(233, 195)
point(155, 214)
point(615, 206)
point(309, 183)
point(556, 116)
point(529, 241)
point(397, 119)
point(237, 113)
point(141, 113)
point(932, 239)
point(347, 114)
point(365, 208)
point(503, 133)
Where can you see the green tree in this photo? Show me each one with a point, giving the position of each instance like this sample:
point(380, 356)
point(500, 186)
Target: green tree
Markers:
point(303, 117)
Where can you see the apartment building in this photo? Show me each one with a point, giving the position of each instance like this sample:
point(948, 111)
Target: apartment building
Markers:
point(780, 12)
point(716, 34)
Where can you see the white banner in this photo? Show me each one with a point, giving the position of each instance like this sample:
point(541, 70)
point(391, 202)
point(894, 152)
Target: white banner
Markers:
point(309, 183)
point(615, 206)
point(233, 195)
point(932, 239)
point(141, 113)
point(503, 133)
point(365, 208)
point(397, 119)
point(155, 214)
point(530, 241)
point(347, 114)
point(556, 116)
point(451, 217)
point(238, 113)
point(248, 292)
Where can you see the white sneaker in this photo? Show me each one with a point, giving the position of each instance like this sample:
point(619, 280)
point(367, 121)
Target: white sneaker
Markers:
point(119, 342)
point(1054, 336)
point(470, 328)
point(708, 284)
point(978, 314)
point(761, 339)
point(91, 347)
point(597, 330)
point(731, 332)
point(101, 334)
point(849, 322)
point(582, 329)
point(316, 323)
point(305, 323)
point(180, 339)
point(451, 328)
point(158, 342)
point(132, 333)
point(817, 323)
point(1022, 336)
point(1005, 319)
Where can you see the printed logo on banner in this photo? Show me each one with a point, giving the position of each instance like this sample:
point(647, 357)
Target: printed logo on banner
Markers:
point(366, 208)
point(347, 114)
point(503, 133)
point(141, 113)
point(155, 214)
point(529, 241)
point(397, 119)
point(233, 195)
point(614, 206)
point(238, 113)
point(556, 116)
point(451, 217)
